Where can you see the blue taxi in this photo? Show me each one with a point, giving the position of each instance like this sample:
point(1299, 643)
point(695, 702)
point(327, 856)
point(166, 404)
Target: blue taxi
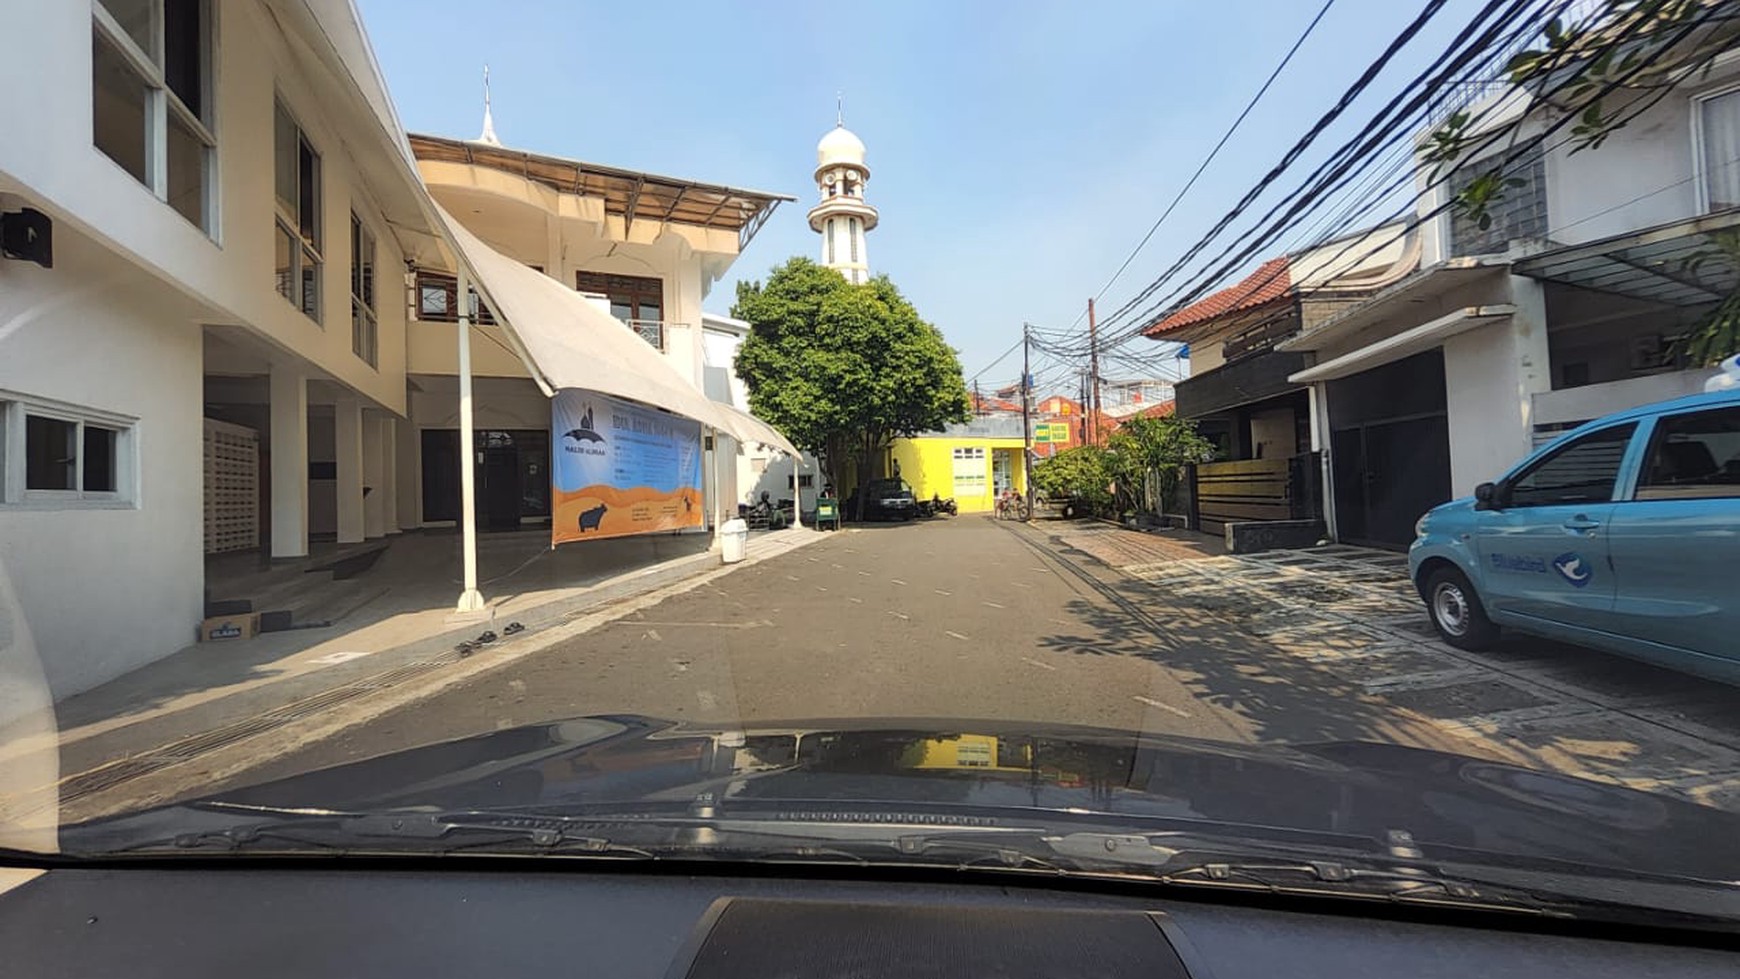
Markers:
point(1622, 535)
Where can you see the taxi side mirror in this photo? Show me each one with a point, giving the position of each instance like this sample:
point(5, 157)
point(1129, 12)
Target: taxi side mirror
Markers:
point(1486, 497)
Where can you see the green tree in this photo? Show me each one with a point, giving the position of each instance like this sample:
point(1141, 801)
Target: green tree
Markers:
point(1595, 74)
point(1160, 447)
point(843, 369)
point(1082, 474)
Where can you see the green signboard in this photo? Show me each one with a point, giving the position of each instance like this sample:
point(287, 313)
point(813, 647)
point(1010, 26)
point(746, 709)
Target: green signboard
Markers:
point(1049, 432)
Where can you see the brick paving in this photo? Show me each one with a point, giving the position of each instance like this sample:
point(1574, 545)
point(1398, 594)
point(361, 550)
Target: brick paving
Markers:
point(1353, 612)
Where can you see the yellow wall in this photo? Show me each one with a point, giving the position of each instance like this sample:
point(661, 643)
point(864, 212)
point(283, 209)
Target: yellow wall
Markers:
point(928, 464)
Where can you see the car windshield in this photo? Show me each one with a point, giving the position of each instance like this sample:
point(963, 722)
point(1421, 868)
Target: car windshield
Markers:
point(1276, 434)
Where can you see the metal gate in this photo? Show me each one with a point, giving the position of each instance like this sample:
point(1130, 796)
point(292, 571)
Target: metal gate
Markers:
point(1254, 489)
point(232, 487)
point(1389, 449)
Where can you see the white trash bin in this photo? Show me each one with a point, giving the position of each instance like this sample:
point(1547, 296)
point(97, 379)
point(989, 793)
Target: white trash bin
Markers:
point(733, 540)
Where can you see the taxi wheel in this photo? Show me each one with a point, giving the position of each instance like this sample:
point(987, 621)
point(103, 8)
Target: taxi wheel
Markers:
point(1456, 611)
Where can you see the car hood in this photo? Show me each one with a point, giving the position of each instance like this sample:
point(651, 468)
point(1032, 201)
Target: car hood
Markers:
point(1370, 796)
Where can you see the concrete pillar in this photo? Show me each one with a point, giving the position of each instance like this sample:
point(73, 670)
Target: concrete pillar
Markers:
point(389, 489)
point(347, 422)
point(373, 477)
point(408, 480)
point(288, 392)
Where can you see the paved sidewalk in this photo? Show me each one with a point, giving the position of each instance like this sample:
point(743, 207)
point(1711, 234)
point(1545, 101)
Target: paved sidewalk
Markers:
point(211, 696)
point(1352, 612)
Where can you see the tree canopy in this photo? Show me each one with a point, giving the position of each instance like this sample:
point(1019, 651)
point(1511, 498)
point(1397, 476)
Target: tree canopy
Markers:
point(1114, 477)
point(842, 368)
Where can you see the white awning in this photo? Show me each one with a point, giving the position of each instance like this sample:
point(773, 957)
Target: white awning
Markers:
point(1405, 344)
point(567, 342)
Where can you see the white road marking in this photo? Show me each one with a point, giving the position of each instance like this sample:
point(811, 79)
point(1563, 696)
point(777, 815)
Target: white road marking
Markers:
point(517, 686)
point(1017, 584)
point(707, 700)
point(993, 605)
point(1033, 662)
point(957, 636)
point(939, 591)
point(791, 577)
point(820, 588)
point(897, 581)
point(653, 634)
point(1165, 707)
point(857, 601)
point(331, 659)
point(753, 624)
point(901, 615)
point(839, 566)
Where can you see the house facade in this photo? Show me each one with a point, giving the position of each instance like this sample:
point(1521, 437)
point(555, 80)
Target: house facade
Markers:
point(1571, 303)
point(233, 328)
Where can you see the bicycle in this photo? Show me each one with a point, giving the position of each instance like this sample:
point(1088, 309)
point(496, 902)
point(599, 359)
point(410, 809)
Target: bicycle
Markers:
point(1011, 506)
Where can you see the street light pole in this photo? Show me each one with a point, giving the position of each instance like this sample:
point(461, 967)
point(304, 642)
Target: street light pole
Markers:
point(1094, 371)
point(470, 600)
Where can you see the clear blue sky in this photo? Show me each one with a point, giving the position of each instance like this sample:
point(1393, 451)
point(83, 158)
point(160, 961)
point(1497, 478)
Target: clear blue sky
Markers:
point(1018, 150)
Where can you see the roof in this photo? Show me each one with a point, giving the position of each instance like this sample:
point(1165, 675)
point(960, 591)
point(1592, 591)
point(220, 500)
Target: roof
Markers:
point(629, 193)
point(1165, 409)
point(1271, 281)
point(1674, 263)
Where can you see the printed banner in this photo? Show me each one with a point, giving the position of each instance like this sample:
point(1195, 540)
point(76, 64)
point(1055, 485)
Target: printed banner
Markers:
point(621, 469)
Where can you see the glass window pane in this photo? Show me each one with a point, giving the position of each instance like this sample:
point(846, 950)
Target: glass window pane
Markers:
point(117, 109)
point(184, 53)
point(50, 453)
point(1721, 136)
point(100, 459)
point(138, 19)
point(188, 162)
point(1581, 472)
point(308, 193)
point(310, 286)
point(284, 145)
point(355, 256)
point(621, 308)
point(1695, 456)
point(284, 260)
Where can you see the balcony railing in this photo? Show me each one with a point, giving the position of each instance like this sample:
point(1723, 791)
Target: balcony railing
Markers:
point(652, 331)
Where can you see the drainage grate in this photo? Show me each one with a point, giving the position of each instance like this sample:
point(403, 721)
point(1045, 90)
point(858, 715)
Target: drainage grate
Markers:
point(108, 776)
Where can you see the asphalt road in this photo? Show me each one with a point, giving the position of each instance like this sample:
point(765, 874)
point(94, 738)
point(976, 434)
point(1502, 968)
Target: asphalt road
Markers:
point(953, 619)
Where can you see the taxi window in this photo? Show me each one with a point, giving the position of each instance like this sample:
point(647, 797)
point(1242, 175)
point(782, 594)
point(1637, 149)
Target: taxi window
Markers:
point(1583, 471)
point(1694, 456)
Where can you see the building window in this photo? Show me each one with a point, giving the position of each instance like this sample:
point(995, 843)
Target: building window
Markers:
point(57, 454)
point(296, 175)
point(828, 240)
point(1718, 121)
point(151, 98)
point(634, 299)
point(438, 300)
point(364, 332)
point(970, 477)
point(852, 233)
point(1519, 212)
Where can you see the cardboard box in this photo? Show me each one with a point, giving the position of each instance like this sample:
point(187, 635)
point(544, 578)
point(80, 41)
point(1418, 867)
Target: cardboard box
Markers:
point(221, 627)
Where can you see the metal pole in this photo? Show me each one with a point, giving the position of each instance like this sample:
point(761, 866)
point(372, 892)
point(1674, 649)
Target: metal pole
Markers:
point(1027, 414)
point(797, 491)
point(470, 600)
point(1094, 370)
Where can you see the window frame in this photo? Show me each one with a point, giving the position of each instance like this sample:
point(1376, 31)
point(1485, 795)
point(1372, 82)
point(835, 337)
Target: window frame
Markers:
point(162, 103)
point(1700, 172)
point(287, 219)
point(365, 328)
point(14, 491)
point(1616, 493)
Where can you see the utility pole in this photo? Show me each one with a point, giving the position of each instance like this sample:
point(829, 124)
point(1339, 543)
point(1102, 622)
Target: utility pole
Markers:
point(1082, 389)
point(1094, 370)
point(1027, 414)
point(978, 402)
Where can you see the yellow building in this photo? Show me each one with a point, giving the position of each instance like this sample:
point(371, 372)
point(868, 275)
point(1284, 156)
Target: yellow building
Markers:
point(971, 463)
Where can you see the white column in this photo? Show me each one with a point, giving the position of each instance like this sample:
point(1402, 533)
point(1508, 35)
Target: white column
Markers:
point(389, 488)
point(289, 448)
point(374, 510)
point(797, 490)
point(470, 600)
point(347, 436)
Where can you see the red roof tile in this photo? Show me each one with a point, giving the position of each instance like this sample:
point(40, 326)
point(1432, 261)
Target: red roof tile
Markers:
point(1271, 281)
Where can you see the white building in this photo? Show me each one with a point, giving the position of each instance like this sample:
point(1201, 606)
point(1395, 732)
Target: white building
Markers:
point(1568, 307)
point(843, 217)
point(237, 345)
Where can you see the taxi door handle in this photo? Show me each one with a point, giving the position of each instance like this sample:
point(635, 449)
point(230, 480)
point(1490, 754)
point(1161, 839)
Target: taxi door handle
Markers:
point(1582, 523)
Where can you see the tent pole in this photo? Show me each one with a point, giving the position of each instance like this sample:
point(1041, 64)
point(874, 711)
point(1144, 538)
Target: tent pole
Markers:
point(470, 600)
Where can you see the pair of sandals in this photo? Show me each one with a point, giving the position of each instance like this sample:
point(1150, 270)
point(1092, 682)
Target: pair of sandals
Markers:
point(469, 646)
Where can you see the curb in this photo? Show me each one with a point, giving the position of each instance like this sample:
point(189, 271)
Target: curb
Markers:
point(431, 677)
